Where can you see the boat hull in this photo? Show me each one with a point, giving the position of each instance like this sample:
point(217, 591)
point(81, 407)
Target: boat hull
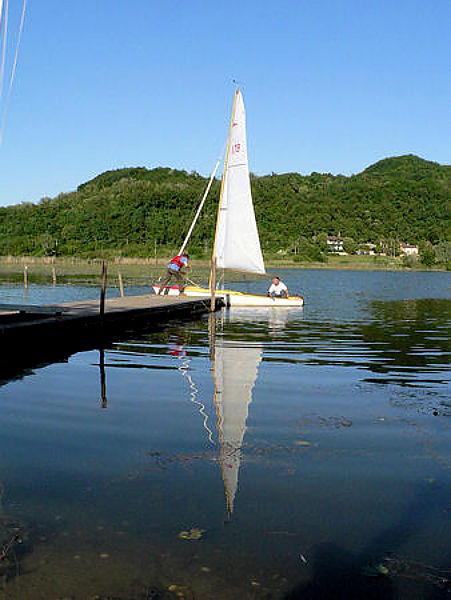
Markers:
point(171, 290)
point(234, 298)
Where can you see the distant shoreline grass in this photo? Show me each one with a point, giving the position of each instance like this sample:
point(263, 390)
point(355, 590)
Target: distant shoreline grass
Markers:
point(141, 271)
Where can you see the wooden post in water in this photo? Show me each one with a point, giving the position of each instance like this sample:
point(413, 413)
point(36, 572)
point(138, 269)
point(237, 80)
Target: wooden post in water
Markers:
point(211, 334)
point(121, 283)
point(54, 275)
point(213, 285)
point(103, 289)
point(25, 276)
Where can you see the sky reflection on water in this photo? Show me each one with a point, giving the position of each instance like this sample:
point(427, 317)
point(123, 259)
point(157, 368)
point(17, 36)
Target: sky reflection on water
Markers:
point(318, 433)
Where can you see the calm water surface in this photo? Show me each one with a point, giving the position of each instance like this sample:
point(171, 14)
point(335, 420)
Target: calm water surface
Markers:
point(307, 450)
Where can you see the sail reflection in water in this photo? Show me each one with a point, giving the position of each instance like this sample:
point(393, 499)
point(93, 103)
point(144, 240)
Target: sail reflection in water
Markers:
point(235, 368)
point(235, 372)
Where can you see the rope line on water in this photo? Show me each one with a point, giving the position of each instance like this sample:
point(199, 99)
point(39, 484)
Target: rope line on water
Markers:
point(184, 368)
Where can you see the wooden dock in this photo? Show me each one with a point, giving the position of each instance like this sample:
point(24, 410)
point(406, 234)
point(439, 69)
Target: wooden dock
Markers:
point(38, 334)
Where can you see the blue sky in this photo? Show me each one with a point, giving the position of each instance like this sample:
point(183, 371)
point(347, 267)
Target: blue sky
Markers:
point(329, 86)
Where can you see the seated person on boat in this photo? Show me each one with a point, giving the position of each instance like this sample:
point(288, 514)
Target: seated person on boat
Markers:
point(278, 289)
point(174, 269)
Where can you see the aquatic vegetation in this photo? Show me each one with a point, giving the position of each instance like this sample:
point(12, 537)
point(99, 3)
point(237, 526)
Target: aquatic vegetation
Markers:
point(400, 567)
point(195, 533)
point(161, 460)
point(11, 532)
point(375, 570)
point(335, 422)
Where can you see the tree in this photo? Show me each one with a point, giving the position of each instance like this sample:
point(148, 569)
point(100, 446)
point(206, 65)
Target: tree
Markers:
point(349, 245)
point(427, 254)
point(47, 243)
point(321, 241)
point(398, 199)
point(410, 261)
point(443, 253)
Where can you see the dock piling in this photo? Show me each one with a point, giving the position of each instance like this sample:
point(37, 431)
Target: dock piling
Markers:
point(103, 289)
point(213, 285)
point(121, 284)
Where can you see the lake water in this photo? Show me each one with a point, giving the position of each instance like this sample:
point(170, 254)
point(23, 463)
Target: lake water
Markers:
point(265, 454)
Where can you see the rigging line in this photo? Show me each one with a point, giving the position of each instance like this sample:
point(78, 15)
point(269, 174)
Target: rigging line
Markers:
point(188, 235)
point(4, 25)
point(191, 281)
point(13, 70)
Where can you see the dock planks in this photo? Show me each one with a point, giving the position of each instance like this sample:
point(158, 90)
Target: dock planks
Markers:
point(30, 333)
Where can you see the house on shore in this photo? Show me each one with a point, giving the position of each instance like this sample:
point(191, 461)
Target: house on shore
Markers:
point(408, 249)
point(368, 249)
point(335, 243)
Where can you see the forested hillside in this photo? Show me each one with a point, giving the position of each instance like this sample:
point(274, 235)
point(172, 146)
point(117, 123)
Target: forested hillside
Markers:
point(132, 211)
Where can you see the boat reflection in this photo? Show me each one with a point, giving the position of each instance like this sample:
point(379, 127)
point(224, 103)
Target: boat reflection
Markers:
point(235, 370)
point(234, 367)
point(235, 353)
point(275, 318)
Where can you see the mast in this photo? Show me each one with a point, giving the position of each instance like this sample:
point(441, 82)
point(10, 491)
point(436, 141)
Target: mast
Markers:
point(213, 258)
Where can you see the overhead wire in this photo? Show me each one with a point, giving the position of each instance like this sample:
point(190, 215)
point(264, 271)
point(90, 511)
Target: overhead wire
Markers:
point(14, 64)
point(4, 39)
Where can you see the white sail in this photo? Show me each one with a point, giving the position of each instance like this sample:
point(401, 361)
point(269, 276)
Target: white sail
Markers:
point(237, 243)
point(235, 372)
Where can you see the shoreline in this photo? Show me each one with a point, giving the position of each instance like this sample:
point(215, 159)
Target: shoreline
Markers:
point(12, 264)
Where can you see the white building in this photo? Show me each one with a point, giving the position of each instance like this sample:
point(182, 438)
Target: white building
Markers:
point(368, 248)
point(334, 243)
point(408, 249)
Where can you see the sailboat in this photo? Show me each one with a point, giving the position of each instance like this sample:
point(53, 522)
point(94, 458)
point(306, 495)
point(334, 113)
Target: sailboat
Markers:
point(237, 244)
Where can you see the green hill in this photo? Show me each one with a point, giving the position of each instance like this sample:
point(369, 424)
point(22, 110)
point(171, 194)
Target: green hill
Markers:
point(130, 211)
point(408, 166)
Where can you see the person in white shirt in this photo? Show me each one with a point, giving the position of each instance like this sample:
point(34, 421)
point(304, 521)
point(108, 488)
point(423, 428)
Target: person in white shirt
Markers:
point(278, 289)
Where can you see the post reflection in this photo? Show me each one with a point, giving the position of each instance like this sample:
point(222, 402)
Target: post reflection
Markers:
point(103, 398)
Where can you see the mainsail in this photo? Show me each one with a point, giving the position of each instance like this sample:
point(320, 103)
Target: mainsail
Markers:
point(235, 372)
point(237, 244)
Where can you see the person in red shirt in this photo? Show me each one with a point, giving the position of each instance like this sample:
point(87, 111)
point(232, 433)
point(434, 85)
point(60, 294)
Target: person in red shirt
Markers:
point(174, 269)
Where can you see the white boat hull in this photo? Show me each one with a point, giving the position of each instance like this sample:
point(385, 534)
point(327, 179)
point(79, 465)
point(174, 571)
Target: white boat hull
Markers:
point(233, 298)
point(171, 290)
